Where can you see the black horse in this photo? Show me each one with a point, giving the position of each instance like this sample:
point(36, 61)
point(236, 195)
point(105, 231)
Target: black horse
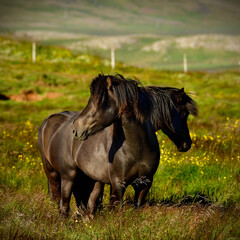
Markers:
point(112, 141)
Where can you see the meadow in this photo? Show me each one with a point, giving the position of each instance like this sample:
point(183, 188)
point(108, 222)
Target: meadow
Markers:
point(195, 195)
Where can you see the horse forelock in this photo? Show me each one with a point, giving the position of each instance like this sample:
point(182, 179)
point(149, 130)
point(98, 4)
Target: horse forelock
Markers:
point(192, 107)
point(165, 100)
point(126, 92)
point(98, 89)
point(185, 101)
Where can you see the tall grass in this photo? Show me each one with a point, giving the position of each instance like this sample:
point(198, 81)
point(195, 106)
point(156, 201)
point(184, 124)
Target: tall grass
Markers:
point(195, 195)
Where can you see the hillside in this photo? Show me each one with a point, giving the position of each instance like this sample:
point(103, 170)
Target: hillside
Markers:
point(153, 34)
point(116, 17)
point(204, 52)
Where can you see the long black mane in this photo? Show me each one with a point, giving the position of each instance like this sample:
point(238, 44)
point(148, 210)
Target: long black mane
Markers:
point(164, 100)
point(142, 103)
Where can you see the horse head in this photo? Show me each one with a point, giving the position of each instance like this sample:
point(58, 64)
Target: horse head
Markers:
point(174, 108)
point(101, 109)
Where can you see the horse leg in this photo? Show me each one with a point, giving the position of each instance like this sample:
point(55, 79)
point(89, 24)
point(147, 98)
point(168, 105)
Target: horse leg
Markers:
point(54, 180)
point(141, 191)
point(66, 191)
point(54, 186)
point(96, 197)
point(139, 198)
point(82, 188)
point(117, 192)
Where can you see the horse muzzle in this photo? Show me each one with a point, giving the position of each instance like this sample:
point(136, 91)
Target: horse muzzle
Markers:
point(184, 147)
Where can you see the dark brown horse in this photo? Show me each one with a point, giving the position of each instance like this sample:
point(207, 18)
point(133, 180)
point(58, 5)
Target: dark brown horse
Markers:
point(112, 141)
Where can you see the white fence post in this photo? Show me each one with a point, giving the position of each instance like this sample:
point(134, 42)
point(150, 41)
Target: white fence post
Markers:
point(112, 58)
point(33, 52)
point(185, 67)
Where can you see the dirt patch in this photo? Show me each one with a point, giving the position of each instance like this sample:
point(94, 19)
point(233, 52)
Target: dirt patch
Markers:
point(32, 96)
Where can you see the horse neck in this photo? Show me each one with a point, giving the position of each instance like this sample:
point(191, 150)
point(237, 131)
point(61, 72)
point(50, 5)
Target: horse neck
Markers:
point(130, 130)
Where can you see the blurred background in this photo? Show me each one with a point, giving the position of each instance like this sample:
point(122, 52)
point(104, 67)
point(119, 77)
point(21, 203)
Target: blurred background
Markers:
point(50, 50)
point(151, 34)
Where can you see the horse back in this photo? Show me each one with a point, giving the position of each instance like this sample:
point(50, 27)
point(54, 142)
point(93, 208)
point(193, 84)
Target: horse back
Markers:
point(48, 136)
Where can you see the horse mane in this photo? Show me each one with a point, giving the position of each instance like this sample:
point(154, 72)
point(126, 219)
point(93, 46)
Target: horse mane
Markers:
point(126, 92)
point(164, 100)
point(142, 103)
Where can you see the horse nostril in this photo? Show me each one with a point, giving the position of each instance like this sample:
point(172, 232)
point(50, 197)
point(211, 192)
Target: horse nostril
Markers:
point(75, 133)
point(185, 145)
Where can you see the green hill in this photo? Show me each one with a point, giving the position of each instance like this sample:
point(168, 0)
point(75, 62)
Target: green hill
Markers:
point(204, 52)
point(116, 17)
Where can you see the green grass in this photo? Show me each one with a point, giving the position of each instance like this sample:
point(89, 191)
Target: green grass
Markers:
point(195, 195)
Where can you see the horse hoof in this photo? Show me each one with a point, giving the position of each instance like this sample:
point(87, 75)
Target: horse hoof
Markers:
point(85, 216)
point(63, 212)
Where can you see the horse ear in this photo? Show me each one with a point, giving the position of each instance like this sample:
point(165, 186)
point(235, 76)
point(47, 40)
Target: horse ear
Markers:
point(180, 95)
point(109, 83)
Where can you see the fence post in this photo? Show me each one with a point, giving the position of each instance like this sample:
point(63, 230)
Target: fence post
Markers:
point(33, 52)
point(112, 58)
point(185, 67)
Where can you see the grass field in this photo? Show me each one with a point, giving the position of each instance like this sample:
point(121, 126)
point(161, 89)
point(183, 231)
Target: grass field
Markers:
point(195, 195)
